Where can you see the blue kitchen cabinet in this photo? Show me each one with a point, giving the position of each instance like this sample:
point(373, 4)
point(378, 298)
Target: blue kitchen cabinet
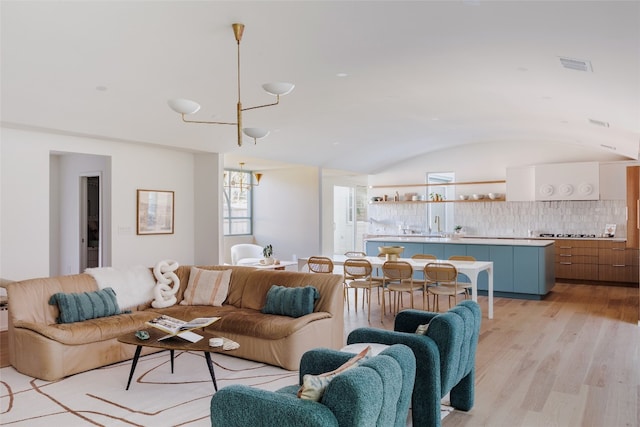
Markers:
point(530, 274)
point(502, 257)
point(519, 271)
point(436, 249)
point(480, 253)
point(411, 249)
point(526, 269)
point(454, 249)
point(371, 248)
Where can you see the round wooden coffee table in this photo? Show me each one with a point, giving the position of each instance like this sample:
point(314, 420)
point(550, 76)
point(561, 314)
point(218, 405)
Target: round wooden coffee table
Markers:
point(172, 344)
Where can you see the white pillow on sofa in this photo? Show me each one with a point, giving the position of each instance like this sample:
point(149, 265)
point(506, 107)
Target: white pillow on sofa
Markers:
point(207, 287)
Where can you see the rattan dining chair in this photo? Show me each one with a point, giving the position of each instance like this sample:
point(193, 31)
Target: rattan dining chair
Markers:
point(357, 275)
point(467, 286)
point(446, 276)
point(352, 254)
point(320, 264)
point(423, 282)
point(398, 278)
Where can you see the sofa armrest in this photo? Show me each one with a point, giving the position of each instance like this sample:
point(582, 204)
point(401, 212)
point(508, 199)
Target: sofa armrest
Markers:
point(241, 406)
point(355, 397)
point(408, 320)
point(427, 390)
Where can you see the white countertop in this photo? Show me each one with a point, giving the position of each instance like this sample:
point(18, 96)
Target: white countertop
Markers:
point(463, 241)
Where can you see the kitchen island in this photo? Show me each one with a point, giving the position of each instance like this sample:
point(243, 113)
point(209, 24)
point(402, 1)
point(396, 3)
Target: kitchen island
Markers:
point(523, 268)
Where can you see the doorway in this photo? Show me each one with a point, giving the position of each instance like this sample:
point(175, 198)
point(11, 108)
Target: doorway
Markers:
point(90, 222)
point(349, 218)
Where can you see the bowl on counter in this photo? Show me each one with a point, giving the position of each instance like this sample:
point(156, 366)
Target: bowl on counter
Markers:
point(495, 196)
point(391, 252)
point(463, 197)
point(478, 196)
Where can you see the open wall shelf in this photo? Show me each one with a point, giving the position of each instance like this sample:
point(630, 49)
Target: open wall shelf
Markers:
point(469, 200)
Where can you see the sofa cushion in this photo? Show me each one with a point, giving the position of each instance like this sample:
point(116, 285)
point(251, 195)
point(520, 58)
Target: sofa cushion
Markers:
point(207, 287)
point(76, 307)
point(293, 302)
point(313, 386)
point(133, 285)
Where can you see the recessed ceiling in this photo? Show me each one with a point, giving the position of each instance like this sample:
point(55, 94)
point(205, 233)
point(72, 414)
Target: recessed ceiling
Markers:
point(377, 82)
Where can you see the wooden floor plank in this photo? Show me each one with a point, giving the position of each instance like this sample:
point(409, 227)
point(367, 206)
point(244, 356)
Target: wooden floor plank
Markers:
point(572, 359)
point(562, 361)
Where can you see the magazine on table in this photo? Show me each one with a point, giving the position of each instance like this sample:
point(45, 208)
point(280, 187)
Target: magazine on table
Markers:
point(173, 326)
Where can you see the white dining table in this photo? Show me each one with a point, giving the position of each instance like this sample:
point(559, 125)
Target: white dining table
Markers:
point(471, 269)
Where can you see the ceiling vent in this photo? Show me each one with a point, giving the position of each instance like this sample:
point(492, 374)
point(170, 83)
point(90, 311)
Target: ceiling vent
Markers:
point(599, 123)
point(608, 147)
point(576, 64)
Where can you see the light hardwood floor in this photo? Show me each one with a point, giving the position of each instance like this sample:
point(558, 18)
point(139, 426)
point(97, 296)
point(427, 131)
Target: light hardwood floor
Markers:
point(572, 359)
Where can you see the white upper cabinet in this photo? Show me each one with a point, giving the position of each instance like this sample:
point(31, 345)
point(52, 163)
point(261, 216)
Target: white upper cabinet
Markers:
point(521, 184)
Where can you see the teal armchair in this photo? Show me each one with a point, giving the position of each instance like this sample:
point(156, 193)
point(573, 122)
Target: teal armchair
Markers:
point(375, 393)
point(445, 356)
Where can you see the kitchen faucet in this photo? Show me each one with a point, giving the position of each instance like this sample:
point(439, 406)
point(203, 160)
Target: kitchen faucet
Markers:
point(437, 221)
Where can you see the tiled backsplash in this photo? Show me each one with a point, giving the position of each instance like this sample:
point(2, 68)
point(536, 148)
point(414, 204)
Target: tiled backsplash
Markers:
point(506, 218)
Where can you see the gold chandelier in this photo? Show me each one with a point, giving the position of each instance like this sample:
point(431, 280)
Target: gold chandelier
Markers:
point(186, 106)
point(240, 182)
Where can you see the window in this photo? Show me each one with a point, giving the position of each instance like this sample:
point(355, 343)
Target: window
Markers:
point(237, 205)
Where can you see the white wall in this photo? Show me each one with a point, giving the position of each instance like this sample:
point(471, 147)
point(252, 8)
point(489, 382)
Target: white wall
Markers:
point(25, 200)
point(207, 205)
point(287, 211)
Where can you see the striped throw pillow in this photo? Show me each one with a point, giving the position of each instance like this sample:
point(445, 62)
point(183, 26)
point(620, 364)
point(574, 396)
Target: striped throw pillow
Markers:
point(207, 287)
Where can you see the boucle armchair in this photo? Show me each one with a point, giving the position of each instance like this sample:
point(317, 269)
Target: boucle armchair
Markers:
point(445, 356)
point(375, 393)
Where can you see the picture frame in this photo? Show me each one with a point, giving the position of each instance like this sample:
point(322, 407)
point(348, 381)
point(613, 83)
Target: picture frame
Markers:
point(154, 213)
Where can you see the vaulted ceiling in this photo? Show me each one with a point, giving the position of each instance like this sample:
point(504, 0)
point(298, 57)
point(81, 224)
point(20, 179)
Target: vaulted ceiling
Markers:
point(376, 81)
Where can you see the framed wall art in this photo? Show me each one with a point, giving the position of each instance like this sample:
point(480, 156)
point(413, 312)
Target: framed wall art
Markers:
point(155, 212)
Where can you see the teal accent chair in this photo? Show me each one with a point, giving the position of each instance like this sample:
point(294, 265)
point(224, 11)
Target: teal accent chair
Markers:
point(445, 356)
point(375, 393)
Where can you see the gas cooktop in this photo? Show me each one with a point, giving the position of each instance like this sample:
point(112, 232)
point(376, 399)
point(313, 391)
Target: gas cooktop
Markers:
point(573, 236)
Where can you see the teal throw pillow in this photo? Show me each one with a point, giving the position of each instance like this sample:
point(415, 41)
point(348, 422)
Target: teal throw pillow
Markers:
point(293, 302)
point(76, 307)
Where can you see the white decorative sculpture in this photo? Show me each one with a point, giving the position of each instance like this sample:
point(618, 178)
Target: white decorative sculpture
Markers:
point(165, 295)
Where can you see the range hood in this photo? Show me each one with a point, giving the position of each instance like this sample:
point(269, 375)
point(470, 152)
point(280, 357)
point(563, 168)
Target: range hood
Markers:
point(558, 181)
point(567, 181)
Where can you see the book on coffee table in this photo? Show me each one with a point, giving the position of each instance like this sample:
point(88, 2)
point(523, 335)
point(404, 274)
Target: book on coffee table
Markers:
point(173, 326)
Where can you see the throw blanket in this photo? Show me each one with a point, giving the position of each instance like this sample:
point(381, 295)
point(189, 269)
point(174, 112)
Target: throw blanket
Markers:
point(165, 295)
point(133, 285)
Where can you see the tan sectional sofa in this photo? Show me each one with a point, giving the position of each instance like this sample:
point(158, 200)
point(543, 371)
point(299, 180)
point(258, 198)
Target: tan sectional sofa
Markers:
point(41, 348)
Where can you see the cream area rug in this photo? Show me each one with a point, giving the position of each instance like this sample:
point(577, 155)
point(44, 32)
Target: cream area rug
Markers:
point(155, 398)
